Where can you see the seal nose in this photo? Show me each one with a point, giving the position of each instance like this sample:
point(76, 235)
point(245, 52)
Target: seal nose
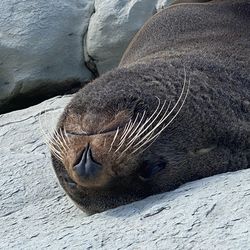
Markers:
point(87, 167)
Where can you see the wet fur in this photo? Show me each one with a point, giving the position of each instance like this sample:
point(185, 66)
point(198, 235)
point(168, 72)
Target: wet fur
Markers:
point(210, 135)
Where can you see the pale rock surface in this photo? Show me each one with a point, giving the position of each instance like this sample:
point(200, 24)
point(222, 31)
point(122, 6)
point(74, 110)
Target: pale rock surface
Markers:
point(41, 45)
point(161, 4)
point(44, 44)
point(211, 213)
point(112, 27)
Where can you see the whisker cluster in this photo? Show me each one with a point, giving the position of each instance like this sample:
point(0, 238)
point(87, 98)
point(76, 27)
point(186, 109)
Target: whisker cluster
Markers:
point(56, 140)
point(139, 135)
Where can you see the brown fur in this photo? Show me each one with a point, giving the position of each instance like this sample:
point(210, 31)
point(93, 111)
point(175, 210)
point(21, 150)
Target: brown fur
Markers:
point(211, 133)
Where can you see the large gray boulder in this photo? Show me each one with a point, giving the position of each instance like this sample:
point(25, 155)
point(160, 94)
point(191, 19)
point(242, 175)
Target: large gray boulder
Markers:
point(113, 25)
point(211, 213)
point(41, 45)
point(44, 45)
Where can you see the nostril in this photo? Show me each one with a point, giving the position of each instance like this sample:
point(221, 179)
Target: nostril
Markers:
point(80, 155)
point(86, 166)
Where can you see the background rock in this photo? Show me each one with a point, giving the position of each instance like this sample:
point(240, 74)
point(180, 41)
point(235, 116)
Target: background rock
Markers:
point(44, 45)
point(211, 213)
point(112, 27)
point(41, 45)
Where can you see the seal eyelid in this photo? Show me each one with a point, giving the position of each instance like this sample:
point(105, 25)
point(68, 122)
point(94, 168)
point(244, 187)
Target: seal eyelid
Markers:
point(84, 133)
point(76, 133)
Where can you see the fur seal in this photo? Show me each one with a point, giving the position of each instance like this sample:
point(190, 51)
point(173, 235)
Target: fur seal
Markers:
point(147, 126)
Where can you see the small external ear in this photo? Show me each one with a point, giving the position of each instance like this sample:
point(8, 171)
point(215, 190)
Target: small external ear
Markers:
point(148, 170)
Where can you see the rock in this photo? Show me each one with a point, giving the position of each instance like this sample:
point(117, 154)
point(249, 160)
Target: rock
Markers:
point(211, 213)
point(41, 45)
point(112, 27)
point(44, 45)
point(161, 4)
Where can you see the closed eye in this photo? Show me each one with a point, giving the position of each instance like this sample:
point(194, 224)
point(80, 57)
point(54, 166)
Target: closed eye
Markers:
point(84, 133)
point(119, 122)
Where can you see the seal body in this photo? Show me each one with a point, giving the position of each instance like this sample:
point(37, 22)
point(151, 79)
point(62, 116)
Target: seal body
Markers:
point(176, 109)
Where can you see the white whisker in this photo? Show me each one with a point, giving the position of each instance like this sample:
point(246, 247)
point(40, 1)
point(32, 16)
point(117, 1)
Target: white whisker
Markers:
point(125, 129)
point(117, 131)
point(63, 139)
point(135, 137)
point(148, 119)
point(141, 130)
point(133, 124)
point(66, 135)
point(143, 114)
point(145, 137)
point(57, 142)
point(122, 140)
point(54, 149)
point(165, 126)
point(57, 155)
point(150, 124)
point(51, 145)
point(48, 138)
point(164, 117)
point(57, 138)
point(145, 147)
point(130, 128)
point(56, 146)
point(143, 125)
point(134, 130)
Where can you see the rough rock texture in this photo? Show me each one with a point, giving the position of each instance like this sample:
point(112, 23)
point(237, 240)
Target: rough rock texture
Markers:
point(211, 213)
point(112, 27)
point(44, 44)
point(41, 45)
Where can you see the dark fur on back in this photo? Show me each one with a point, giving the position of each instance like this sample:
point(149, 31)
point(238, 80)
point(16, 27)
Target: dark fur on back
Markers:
point(211, 134)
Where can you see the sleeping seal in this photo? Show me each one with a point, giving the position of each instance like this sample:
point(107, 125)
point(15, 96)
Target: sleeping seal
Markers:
point(176, 109)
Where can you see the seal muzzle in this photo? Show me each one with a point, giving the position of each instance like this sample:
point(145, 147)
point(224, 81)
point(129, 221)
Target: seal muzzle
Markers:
point(87, 167)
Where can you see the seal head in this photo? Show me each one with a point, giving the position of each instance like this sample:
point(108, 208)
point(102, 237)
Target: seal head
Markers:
point(144, 128)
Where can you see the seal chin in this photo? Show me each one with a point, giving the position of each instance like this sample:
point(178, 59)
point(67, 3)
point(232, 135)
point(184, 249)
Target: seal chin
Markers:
point(101, 180)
